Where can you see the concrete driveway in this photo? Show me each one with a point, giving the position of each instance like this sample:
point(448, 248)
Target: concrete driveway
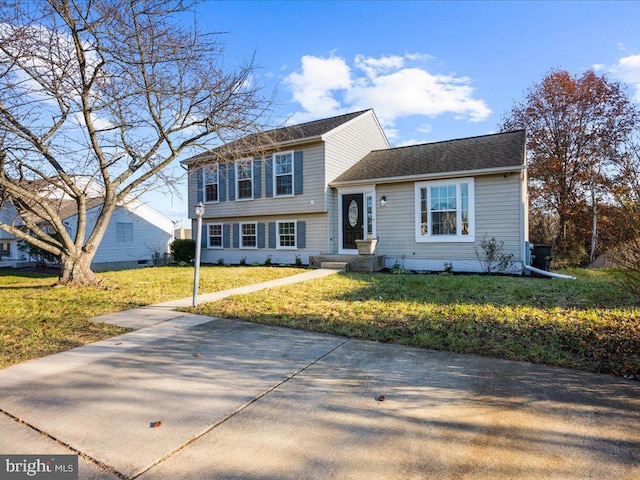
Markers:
point(238, 400)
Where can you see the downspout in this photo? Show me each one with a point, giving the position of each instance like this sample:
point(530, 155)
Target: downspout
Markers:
point(548, 274)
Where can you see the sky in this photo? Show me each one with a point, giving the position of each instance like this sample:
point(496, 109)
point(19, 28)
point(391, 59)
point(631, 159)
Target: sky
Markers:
point(431, 70)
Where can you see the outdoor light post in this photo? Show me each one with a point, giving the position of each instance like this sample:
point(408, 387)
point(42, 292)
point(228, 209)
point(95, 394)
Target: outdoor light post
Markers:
point(196, 272)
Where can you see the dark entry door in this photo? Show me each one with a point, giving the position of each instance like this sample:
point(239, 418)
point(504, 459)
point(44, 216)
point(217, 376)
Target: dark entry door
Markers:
point(352, 220)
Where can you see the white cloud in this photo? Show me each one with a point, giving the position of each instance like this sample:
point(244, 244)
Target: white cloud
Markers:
point(314, 88)
point(394, 86)
point(628, 70)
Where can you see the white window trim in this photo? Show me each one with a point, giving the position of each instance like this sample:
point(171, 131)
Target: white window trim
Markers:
point(255, 224)
point(275, 176)
point(238, 179)
point(295, 235)
point(221, 236)
point(204, 182)
point(458, 238)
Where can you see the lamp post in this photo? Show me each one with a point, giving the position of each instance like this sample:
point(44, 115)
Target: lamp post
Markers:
point(196, 271)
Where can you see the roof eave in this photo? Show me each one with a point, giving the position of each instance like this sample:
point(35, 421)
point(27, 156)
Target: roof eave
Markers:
point(247, 152)
point(429, 176)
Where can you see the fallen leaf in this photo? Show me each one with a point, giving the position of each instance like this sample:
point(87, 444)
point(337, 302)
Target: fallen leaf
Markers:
point(155, 424)
point(196, 354)
point(381, 398)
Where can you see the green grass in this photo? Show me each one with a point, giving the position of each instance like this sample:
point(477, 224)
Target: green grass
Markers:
point(590, 324)
point(37, 318)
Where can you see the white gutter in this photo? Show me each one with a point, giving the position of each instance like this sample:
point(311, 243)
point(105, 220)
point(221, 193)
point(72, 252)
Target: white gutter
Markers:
point(548, 274)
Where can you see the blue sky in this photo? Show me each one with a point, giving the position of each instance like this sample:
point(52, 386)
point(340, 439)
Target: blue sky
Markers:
point(431, 70)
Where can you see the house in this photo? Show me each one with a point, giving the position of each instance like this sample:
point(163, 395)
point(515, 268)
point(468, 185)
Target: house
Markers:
point(316, 188)
point(137, 235)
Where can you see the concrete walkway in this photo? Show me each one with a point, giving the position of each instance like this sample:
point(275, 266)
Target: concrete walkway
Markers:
point(238, 400)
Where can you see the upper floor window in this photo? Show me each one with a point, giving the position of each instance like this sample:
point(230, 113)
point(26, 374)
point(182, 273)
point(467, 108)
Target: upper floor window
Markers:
point(283, 173)
point(124, 232)
point(211, 183)
point(244, 179)
point(445, 211)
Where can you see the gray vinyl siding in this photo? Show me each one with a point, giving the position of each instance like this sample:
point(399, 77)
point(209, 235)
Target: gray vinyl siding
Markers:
point(498, 213)
point(315, 239)
point(349, 143)
point(346, 146)
point(310, 201)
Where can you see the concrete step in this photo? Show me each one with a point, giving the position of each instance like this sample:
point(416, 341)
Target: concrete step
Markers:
point(334, 265)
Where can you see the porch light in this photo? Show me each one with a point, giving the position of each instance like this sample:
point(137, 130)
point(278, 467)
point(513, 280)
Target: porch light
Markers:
point(196, 271)
point(383, 201)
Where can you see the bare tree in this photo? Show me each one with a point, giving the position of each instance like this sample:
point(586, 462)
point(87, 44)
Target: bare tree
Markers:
point(112, 91)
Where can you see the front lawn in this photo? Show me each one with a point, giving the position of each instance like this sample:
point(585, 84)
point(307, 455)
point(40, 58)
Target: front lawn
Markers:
point(589, 324)
point(37, 318)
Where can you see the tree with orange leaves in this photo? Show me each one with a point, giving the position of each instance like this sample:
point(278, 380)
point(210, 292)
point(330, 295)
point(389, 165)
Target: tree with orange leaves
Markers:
point(576, 128)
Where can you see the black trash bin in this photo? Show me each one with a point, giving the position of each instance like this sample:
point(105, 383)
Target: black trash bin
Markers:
point(541, 257)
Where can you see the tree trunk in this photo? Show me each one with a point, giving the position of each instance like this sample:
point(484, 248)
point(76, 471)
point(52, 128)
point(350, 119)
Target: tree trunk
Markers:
point(76, 270)
point(594, 231)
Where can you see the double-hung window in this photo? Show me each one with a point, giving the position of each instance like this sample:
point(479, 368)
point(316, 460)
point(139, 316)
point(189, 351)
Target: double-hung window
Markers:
point(286, 235)
point(214, 235)
point(445, 211)
point(211, 183)
point(248, 235)
point(244, 179)
point(124, 232)
point(283, 174)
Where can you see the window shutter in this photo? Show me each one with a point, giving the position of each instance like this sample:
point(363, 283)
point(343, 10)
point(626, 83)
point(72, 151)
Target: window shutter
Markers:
point(222, 182)
point(301, 233)
point(200, 185)
point(257, 178)
point(205, 237)
point(232, 181)
point(260, 235)
point(236, 235)
point(272, 234)
point(268, 175)
point(297, 169)
point(225, 236)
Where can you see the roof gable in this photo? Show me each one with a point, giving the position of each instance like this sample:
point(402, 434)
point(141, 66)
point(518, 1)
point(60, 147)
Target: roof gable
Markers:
point(486, 152)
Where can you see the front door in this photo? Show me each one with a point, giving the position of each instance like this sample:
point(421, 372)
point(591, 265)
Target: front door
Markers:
point(352, 220)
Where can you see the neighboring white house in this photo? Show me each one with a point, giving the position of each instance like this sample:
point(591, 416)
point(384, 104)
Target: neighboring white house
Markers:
point(315, 188)
point(137, 235)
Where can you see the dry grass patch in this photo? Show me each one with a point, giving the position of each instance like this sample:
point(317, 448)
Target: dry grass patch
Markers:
point(37, 318)
point(589, 324)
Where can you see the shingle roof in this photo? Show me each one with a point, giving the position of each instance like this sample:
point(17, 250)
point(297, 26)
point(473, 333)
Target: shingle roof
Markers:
point(270, 138)
point(465, 154)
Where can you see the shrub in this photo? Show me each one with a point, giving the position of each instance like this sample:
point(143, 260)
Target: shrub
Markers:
point(220, 261)
point(267, 262)
point(183, 250)
point(492, 258)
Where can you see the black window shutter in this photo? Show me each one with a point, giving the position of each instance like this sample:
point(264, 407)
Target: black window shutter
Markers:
point(257, 178)
point(225, 236)
point(232, 181)
point(200, 184)
point(301, 233)
point(260, 235)
point(268, 176)
point(222, 182)
point(297, 168)
point(236, 235)
point(205, 237)
point(272, 234)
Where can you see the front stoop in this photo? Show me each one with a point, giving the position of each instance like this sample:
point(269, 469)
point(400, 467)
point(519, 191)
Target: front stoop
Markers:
point(354, 263)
